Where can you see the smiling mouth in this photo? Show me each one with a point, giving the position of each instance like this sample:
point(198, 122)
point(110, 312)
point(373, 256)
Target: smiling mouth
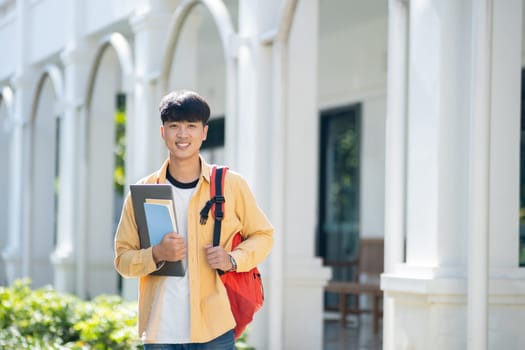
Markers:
point(182, 145)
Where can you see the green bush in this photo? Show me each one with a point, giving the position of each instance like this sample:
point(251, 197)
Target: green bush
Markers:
point(45, 319)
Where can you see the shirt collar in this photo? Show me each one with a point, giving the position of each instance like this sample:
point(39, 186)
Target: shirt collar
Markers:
point(205, 170)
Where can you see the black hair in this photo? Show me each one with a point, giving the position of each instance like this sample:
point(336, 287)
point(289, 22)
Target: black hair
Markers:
point(184, 105)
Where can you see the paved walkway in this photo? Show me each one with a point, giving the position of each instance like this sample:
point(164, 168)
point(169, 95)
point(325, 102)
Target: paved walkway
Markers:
point(356, 335)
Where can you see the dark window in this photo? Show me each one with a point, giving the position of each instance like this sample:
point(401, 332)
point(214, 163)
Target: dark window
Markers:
point(119, 166)
point(215, 136)
point(339, 188)
point(119, 163)
point(338, 235)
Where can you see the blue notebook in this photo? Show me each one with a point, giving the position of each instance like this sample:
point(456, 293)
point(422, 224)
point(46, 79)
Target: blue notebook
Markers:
point(159, 220)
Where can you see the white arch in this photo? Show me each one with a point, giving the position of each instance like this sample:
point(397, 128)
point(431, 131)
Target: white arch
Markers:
point(281, 33)
point(57, 81)
point(124, 55)
point(228, 36)
point(55, 76)
point(125, 58)
point(222, 20)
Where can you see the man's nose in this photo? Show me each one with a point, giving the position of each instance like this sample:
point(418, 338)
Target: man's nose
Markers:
point(182, 131)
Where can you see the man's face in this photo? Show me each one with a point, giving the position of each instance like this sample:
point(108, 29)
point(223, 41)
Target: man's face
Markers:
point(183, 138)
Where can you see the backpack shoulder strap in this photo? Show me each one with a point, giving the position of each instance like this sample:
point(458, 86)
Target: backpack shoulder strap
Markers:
point(216, 202)
point(217, 192)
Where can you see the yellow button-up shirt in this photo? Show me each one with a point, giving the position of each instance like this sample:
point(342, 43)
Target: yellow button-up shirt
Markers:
point(210, 314)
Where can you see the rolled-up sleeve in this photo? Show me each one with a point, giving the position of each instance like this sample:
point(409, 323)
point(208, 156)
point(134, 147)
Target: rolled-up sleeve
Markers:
point(257, 230)
point(130, 259)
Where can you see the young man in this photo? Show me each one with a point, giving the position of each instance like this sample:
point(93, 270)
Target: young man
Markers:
point(193, 311)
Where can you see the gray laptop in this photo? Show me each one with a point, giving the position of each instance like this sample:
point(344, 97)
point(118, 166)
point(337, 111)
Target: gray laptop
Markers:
point(139, 194)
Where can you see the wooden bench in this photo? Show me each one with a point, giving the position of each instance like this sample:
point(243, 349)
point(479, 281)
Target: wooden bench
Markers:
point(369, 263)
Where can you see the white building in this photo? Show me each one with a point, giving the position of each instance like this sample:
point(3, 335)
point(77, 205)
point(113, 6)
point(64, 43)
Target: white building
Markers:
point(397, 119)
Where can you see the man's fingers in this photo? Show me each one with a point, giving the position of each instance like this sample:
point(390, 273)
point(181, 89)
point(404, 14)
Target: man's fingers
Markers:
point(173, 247)
point(173, 235)
point(217, 257)
point(213, 252)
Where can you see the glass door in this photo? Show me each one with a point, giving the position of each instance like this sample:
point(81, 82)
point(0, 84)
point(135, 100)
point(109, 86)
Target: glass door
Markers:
point(339, 190)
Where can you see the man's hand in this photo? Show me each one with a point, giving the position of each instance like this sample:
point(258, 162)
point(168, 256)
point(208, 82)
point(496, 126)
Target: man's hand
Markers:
point(218, 258)
point(172, 247)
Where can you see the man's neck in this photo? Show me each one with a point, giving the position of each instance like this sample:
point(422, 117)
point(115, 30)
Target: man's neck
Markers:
point(185, 170)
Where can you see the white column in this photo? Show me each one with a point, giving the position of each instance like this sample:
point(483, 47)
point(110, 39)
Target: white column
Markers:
point(255, 129)
point(279, 37)
point(437, 129)
point(395, 153)
point(479, 176)
point(254, 66)
point(505, 133)
point(6, 130)
point(65, 257)
point(76, 60)
point(427, 175)
point(495, 296)
point(276, 260)
point(395, 149)
point(461, 286)
point(16, 254)
point(304, 276)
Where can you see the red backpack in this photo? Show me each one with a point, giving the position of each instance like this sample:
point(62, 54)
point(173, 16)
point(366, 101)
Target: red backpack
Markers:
point(245, 289)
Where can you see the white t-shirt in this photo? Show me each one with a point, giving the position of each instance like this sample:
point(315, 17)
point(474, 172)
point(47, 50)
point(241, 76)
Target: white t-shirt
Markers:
point(170, 315)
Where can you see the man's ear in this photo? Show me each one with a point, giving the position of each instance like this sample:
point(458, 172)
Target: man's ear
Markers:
point(205, 132)
point(162, 132)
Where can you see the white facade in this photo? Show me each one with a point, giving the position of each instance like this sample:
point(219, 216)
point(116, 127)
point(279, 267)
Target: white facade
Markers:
point(437, 87)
